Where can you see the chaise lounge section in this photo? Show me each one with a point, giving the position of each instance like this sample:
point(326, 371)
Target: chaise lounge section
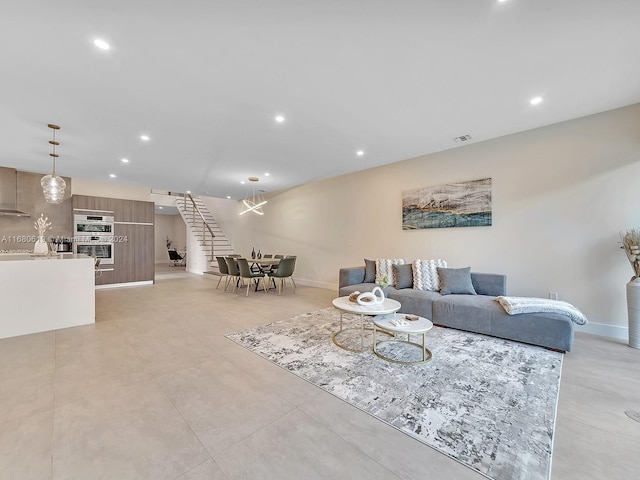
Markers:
point(479, 313)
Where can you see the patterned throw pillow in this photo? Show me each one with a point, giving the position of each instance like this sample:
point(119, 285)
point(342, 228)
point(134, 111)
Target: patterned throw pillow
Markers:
point(425, 274)
point(383, 267)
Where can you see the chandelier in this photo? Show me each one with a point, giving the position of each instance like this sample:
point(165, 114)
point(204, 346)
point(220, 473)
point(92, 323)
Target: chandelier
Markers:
point(255, 203)
point(52, 185)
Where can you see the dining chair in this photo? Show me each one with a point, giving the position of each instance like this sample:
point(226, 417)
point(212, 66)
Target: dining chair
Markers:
point(284, 271)
point(294, 266)
point(223, 268)
point(274, 267)
point(245, 272)
point(234, 273)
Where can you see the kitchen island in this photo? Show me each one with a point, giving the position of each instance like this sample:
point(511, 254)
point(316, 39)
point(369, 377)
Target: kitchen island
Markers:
point(42, 293)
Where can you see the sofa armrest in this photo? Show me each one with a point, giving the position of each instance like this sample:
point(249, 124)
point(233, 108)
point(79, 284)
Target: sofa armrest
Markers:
point(350, 276)
point(493, 284)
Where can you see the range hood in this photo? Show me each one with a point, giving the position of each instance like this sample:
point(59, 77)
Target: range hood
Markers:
point(8, 193)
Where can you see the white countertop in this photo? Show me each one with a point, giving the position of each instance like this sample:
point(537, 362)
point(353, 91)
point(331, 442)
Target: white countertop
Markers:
point(29, 256)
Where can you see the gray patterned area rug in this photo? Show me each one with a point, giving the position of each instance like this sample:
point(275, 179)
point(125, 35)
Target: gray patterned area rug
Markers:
point(487, 403)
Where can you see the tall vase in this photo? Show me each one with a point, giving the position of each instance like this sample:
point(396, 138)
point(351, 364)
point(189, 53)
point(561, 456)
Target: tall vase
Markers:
point(633, 307)
point(41, 247)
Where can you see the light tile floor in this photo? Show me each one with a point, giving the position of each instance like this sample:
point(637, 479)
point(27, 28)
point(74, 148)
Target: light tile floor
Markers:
point(153, 390)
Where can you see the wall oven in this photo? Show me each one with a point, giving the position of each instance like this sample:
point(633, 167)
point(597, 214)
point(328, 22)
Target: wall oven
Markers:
point(93, 236)
point(95, 246)
point(93, 224)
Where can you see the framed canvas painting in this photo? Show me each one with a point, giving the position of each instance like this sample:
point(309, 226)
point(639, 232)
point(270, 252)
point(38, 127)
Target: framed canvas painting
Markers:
point(463, 204)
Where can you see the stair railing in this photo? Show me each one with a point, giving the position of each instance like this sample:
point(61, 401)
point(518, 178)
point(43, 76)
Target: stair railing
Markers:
point(194, 209)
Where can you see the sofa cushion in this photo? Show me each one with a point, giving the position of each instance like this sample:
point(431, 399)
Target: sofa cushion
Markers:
point(383, 268)
point(456, 281)
point(369, 271)
point(482, 314)
point(425, 274)
point(416, 302)
point(402, 276)
point(361, 287)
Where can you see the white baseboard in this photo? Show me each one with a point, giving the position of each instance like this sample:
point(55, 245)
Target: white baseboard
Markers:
point(612, 331)
point(128, 284)
point(313, 283)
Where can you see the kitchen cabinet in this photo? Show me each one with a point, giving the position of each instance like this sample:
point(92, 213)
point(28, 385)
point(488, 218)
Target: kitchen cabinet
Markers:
point(97, 204)
point(40, 294)
point(133, 239)
point(134, 253)
point(135, 211)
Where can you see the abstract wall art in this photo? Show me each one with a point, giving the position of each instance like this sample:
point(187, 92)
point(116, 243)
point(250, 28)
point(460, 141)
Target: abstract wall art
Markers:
point(463, 204)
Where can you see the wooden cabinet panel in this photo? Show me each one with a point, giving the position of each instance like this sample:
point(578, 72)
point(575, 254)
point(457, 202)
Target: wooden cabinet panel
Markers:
point(134, 211)
point(105, 278)
point(86, 202)
point(134, 253)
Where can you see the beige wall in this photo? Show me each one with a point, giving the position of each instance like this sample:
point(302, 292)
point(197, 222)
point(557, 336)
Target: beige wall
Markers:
point(93, 188)
point(561, 195)
point(174, 227)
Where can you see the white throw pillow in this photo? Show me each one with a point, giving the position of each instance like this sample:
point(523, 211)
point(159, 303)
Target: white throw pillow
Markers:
point(384, 267)
point(425, 274)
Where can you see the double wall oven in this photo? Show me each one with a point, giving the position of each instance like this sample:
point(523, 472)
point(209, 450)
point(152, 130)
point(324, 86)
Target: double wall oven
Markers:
point(94, 236)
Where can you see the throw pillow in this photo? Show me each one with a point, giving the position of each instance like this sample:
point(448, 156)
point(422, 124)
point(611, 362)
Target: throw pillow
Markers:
point(456, 281)
point(383, 268)
point(369, 271)
point(425, 274)
point(402, 275)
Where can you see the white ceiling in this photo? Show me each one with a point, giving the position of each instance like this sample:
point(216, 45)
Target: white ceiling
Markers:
point(205, 78)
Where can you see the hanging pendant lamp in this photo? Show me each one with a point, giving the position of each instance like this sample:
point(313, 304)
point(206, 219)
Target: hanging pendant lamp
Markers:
point(53, 186)
point(255, 203)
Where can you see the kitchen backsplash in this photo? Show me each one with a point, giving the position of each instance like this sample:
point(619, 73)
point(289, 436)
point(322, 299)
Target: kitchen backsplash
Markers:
point(17, 233)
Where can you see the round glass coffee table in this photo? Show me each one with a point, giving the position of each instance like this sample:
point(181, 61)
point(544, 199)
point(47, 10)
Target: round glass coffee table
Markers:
point(383, 323)
point(345, 305)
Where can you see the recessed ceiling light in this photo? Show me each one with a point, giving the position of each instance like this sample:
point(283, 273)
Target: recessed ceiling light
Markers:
point(228, 196)
point(279, 118)
point(189, 192)
point(101, 44)
point(242, 182)
point(360, 153)
point(160, 207)
point(535, 100)
point(266, 174)
point(112, 175)
point(125, 160)
point(145, 138)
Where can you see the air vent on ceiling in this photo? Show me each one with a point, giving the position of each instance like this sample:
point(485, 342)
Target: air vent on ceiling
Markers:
point(463, 138)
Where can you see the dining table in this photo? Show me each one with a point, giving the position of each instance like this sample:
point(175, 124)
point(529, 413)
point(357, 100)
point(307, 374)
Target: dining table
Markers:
point(261, 263)
point(264, 265)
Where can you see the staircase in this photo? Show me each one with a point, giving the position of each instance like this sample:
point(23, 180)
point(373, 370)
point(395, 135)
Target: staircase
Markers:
point(204, 227)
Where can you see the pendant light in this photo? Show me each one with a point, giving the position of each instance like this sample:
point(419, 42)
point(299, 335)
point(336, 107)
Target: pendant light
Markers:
point(52, 185)
point(255, 203)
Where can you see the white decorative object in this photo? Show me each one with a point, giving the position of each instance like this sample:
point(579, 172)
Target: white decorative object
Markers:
point(41, 247)
point(633, 307)
point(366, 299)
point(374, 297)
point(631, 244)
point(42, 225)
point(376, 291)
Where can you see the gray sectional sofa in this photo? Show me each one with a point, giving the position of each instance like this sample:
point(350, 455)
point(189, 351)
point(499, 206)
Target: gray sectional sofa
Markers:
point(479, 313)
